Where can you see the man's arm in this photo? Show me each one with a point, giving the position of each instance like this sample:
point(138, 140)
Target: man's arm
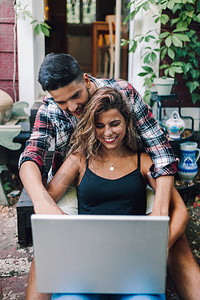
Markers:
point(155, 143)
point(32, 163)
point(177, 209)
point(31, 177)
point(164, 186)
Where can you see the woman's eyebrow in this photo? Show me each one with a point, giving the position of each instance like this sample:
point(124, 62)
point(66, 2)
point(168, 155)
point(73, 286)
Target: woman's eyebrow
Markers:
point(115, 121)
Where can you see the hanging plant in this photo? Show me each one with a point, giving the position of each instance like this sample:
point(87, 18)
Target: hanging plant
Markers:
point(39, 26)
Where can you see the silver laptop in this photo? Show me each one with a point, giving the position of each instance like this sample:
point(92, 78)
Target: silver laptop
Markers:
point(100, 254)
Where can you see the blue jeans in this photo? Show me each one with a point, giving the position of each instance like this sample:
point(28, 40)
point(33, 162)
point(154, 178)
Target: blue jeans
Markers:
point(107, 297)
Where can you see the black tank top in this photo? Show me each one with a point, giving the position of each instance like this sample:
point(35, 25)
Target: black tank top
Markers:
point(123, 196)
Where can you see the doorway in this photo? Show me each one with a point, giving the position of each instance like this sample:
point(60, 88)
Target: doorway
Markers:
point(72, 28)
point(71, 23)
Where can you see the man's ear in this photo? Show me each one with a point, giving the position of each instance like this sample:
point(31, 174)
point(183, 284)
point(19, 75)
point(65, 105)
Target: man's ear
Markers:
point(87, 81)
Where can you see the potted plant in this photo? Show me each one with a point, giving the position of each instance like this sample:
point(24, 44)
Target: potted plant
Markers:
point(176, 43)
point(164, 85)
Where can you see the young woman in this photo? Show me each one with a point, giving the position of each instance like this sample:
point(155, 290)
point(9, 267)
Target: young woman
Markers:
point(104, 161)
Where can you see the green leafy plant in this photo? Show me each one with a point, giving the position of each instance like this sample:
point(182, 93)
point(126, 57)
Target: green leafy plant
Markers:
point(39, 26)
point(177, 44)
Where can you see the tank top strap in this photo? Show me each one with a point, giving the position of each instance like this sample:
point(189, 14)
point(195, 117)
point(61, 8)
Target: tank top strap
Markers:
point(138, 164)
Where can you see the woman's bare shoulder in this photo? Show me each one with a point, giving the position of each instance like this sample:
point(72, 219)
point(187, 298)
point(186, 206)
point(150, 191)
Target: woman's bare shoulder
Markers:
point(146, 162)
point(75, 160)
point(145, 157)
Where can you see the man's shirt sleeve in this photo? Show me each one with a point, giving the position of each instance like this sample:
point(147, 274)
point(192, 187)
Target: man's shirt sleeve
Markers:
point(153, 139)
point(39, 142)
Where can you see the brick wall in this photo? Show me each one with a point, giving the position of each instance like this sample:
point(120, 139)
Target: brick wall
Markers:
point(7, 48)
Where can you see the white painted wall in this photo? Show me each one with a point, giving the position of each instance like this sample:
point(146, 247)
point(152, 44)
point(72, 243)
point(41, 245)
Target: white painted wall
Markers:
point(31, 51)
point(142, 23)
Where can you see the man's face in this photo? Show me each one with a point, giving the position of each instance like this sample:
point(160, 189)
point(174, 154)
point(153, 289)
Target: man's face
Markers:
point(73, 97)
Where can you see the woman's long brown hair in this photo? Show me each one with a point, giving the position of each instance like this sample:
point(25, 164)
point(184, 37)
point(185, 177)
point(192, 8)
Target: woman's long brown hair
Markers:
point(83, 140)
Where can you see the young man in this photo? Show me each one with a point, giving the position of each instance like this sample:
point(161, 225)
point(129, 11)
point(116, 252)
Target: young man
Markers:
point(69, 89)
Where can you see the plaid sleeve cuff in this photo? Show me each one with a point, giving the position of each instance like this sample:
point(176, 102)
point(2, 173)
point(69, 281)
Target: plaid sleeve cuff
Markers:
point(28, 156)
point(167, 170)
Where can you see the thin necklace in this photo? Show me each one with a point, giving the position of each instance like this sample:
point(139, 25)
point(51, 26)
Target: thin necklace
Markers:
point(112, 165)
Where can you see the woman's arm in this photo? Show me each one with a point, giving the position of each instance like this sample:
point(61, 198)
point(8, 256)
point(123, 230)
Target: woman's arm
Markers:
point(64, 177)
point(177, 210)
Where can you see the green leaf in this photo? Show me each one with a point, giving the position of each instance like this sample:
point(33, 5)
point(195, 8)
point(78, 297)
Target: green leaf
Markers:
point(34, 21)
point(197, 18)
point(124, 42)
point(168, 41)
point(174, 21)
point(178, 70)
point(164, 66)
point(141, 39)
point(195, 97)
point(134, 47)
point(45, 30)
point(147, 96)
point(146, 6)
point(163, 53)
point(148, 69)
point(186, 67)
point(192, 85)
point(45, 25)
point(195, 74)
point(157, 19)
point(181, 36)
point(146, 58)
point(28, 13)
point(142, 74)
point(37, 29)
point(189, 13)
point(170, 72)
point(182, 24)
point(171, 4)
point(164, 35)
point(153, 56)
point(164, 19)
point(176, 41)
point(181, 29)
point(147, 39)
point(171, 53)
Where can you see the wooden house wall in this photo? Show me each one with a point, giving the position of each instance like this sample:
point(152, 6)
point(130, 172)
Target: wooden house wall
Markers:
point(7, 48)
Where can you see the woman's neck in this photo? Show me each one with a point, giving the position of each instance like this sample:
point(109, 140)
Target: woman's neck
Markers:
point(105, 153)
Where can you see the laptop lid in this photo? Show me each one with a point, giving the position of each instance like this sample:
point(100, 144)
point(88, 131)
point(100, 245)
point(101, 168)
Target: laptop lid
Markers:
point(100, 254)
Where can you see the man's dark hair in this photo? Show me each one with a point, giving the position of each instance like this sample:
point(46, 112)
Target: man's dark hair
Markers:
point(58, 70)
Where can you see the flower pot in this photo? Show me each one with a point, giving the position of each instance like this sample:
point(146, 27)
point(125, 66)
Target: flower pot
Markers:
point(164, 85)
point(6, 105)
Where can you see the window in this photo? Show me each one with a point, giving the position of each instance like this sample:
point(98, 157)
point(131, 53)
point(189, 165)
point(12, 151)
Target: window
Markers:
point(81, 11)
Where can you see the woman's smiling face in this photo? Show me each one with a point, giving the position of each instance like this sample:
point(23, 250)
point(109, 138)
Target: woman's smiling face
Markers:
point(110, 129)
